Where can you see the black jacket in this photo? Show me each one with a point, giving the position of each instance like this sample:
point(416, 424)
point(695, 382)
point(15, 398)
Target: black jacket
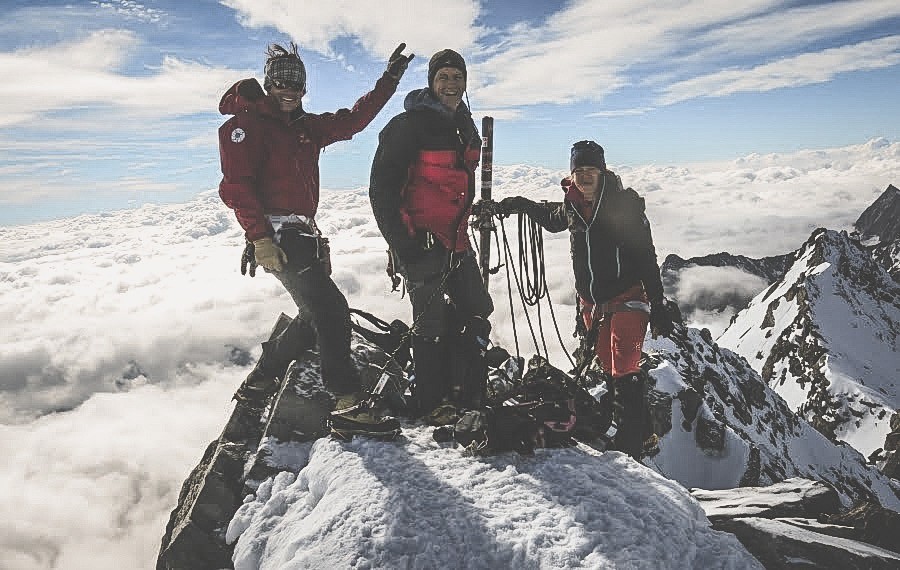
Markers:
point(426, 129)
point(612, 250)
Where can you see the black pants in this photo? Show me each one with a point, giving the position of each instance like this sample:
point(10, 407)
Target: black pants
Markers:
point(321, 304)
point(427, 286)
point(444, 363)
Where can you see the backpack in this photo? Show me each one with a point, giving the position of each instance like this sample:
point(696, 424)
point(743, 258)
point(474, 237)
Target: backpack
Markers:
point(548, 409)
point(394, 338)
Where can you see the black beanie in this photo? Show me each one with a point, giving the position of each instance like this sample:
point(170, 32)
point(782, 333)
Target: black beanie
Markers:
point(587, 153)
point(445, 58)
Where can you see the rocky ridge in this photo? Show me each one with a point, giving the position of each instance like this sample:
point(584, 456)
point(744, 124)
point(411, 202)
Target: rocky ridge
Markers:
point(825, 337)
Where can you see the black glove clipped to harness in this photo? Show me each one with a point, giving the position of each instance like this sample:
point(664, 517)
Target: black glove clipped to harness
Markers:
point(248, 259)
point(663, 316)
point(517, 205)
point(398, 62)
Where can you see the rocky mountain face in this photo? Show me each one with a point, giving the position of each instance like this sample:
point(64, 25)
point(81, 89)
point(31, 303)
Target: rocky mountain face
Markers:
point(721, 426)
point(247, 453)
point(882, 218)
point(727, 290)
point(879, 227)
point(826, 338)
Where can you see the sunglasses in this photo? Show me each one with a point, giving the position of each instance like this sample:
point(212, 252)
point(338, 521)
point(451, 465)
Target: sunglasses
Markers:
point(287, 84)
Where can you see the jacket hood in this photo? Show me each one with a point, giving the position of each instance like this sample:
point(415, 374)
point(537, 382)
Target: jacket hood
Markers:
point(247, 95)
point(422, 99)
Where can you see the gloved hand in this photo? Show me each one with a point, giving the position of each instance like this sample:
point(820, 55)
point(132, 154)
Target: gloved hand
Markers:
point(661, 317)
point(398, 62)
point(269, 255)
point(248, 259)
point(516, 205)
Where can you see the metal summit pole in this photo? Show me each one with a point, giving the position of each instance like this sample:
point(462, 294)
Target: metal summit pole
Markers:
point(485, 218)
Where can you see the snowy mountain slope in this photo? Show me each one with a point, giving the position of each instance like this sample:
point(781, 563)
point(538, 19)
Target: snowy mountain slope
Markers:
point(826, 338)
point(723, 427)
point(415, 503)
point(888, 255)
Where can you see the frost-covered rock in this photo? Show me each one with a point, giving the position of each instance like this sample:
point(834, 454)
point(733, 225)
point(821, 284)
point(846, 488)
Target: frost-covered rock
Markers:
point(796, 524)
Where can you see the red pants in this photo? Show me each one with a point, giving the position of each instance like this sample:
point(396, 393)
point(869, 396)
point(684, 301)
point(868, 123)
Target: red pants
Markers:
point(620, 334)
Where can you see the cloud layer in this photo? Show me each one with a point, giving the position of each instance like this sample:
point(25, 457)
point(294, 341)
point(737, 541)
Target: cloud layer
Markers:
point(131, 320)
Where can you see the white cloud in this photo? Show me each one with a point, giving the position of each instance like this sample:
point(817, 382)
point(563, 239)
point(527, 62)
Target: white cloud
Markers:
point(90, 70)
point(83, 298)
point(550, 62)
point(796, 27)
point(623, 112)
point(133, 10)
point(98, 496)
point(425, 27)
point(804, 69)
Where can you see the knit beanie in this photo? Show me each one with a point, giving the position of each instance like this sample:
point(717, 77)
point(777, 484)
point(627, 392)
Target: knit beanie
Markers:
point(284, 65)
point(445, 58)
point(587, 153)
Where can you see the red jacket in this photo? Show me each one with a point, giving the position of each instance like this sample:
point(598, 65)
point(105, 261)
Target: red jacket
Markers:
point(270, 160)
point(423, 175)
point(437, 197)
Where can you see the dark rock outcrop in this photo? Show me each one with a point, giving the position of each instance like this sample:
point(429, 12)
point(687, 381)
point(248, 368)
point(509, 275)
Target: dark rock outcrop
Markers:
point(797, 524)
point(882, 217)
point(195, 535)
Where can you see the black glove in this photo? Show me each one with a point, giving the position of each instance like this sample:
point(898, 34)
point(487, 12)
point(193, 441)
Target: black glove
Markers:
point(248, 259)
point(398, 62)
point(486, 208)
point(663, 314)
point(517, 205)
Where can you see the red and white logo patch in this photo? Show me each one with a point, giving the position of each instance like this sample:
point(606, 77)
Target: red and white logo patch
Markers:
point(237, 135)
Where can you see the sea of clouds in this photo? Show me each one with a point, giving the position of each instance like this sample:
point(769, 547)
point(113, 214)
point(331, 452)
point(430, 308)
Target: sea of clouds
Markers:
point(123, 332)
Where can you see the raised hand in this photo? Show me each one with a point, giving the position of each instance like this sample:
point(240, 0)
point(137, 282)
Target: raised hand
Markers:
point(398, 62)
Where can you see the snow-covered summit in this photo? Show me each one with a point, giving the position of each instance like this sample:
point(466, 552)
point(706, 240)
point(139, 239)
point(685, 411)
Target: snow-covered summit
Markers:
point(825, 337)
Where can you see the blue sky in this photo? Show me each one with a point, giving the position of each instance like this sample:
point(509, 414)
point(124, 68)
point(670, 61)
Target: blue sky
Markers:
point(113, 104)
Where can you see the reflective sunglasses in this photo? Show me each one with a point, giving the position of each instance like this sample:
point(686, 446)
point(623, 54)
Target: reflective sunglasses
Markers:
point(287, 84)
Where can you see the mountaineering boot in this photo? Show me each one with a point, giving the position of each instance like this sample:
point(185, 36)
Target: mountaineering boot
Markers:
point(431, 370)
point(630, 411)
point(595, 411)
point(356, 414)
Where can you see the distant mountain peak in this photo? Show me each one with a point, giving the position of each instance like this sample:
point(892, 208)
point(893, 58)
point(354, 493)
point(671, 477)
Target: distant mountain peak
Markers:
point(882, 217)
